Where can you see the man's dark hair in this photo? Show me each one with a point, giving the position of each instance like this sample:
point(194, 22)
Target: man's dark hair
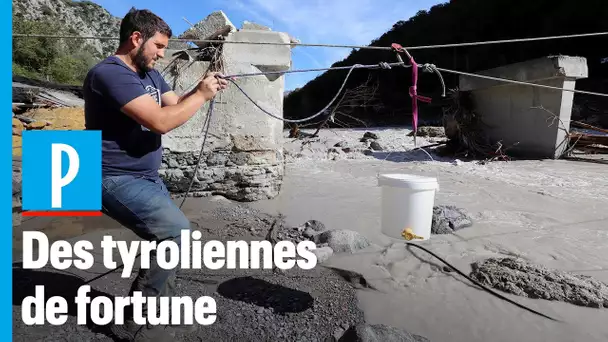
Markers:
point(145, 22)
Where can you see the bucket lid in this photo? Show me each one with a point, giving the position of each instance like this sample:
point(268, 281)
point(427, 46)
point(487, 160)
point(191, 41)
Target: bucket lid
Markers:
point(401, 180)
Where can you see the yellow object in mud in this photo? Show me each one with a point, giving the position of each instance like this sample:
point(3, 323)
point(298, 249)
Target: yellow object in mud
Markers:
point(409, 235)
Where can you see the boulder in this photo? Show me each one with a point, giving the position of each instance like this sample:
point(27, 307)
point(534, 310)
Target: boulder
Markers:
point(448, 219)
point(430, 132)
point(342, 241)
point(323, 254)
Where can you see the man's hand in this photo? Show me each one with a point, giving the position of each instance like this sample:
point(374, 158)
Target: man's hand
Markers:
point(211, 84)
point(175, 111)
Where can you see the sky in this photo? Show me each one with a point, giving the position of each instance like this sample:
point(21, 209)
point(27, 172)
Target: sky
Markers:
point(344, 22)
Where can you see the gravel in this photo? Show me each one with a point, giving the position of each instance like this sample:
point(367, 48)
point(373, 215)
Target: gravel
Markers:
point(379, 333)
point(392, 144)
point(521, 278)
point(253, 305)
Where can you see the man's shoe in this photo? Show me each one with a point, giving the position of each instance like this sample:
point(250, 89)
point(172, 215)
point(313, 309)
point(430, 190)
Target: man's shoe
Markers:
point(125, 331)
point(181, 329)
point(153, 334)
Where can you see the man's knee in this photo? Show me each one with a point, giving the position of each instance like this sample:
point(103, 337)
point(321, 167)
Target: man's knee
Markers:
point(179, 223)
point(144, 207)
point(167, 222)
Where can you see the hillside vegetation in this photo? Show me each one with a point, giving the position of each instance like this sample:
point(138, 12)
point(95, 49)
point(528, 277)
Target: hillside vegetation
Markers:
point(458, 21)
point(60, 60)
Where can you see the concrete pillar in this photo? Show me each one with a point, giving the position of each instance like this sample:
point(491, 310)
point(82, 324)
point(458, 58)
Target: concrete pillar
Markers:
point(510, 111)
point(243, 157)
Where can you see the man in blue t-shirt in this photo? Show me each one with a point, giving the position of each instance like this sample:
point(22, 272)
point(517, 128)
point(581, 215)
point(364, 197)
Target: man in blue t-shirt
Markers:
point(132, 105)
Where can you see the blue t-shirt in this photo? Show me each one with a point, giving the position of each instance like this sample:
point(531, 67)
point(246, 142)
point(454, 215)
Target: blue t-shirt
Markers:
point(127, 147)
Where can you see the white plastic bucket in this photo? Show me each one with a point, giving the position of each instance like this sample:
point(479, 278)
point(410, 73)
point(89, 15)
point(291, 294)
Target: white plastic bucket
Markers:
point(407, 202)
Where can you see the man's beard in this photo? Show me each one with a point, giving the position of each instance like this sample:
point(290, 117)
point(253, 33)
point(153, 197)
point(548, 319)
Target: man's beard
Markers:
point(140, 60)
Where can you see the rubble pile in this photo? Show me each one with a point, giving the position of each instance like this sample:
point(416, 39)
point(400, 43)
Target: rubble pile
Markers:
point(394, 144)
point(522, 278)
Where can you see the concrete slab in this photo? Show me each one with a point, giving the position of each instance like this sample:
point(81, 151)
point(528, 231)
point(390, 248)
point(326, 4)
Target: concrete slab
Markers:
point(209, 25)
point(530, 71)
point(248, 25)
point(530, 121)
point(264, 57)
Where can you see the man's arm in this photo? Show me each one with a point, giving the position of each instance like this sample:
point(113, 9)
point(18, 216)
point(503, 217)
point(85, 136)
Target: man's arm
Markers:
point(170, 98)
point(145, 111)
point(124, 89)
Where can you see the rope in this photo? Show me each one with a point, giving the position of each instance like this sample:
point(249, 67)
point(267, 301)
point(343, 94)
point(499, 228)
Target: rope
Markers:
point(409, 244)
point(322, 111)
point(432, 68)
point(520, 82)
point(368, 47)
point(231, 78)
point(205, 132)
point(381, 65)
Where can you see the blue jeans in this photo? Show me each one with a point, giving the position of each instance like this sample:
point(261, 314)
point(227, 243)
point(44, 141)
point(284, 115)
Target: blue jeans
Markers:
point(145, 206)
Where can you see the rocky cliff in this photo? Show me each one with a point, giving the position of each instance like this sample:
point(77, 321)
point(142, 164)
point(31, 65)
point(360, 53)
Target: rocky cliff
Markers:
point(82, 18)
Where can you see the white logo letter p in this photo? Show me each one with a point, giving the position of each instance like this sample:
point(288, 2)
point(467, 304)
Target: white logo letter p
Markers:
point(57, 181)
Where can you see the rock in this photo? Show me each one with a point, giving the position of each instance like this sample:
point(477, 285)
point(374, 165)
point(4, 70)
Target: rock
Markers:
point(315, 225)
point(343, 241)
point(86, 18)
point(338, 333)
point(347, 150)
point(37, 125)
point(311, 228)
point(236, 175)
point(248, 25)
point(208, 26)
point(17, 145)
point(63, 118)
point(16, 192)
point(448, 219)
point(246, 143)
point(370, 135)
point(429, 131)
point(341, 144)
point(17, 126)
point(217, 159)
point(24, 119)
point(379, 333)
point(521, 278)
point(375, 146)
point(309, 233)
point(239, 158)
point(335, 154)
point(323, 254)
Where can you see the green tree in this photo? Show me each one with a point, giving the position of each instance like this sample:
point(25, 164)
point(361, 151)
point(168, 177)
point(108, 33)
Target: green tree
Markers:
point(58, 60)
